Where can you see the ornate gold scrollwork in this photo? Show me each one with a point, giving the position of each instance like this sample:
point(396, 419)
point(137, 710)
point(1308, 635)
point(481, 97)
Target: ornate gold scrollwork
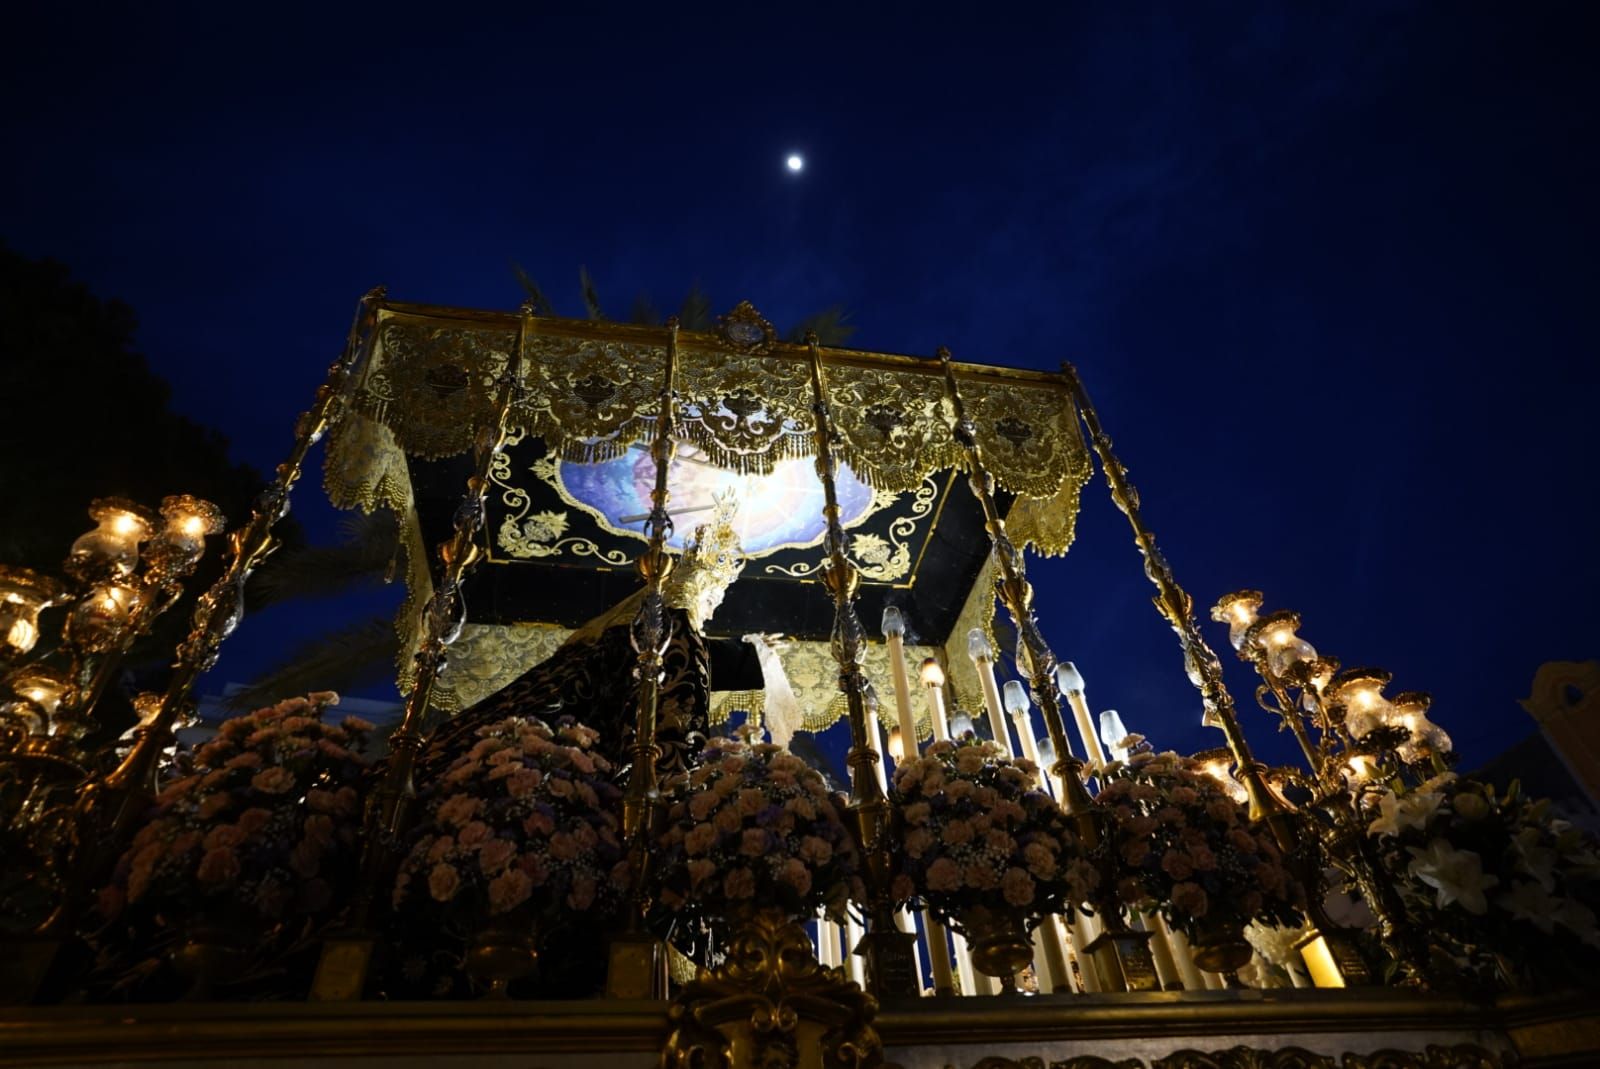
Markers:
point(1458, 1056)
point(747, 414)
point(770, 1004)
point(589, 398)
point(877, 558)
point(1029, 436)
point(528, 535)
point(891, 425)
point(434, 385)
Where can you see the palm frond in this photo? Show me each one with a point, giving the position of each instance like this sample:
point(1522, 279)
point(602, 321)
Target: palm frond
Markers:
point(591, 296)
point(541, 304)
point(369, 542)
point(804, 746)
point(644, 311)
point(356, 656)
point(696, 311)
point(831, 326)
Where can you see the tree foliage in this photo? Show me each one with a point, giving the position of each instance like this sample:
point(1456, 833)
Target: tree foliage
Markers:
point(86, 418)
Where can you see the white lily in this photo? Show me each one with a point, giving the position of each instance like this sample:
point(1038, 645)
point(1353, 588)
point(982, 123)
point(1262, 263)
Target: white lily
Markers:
point(1456, 875)
point(1530, 902)
point(1537, 861)
point(1412, 811)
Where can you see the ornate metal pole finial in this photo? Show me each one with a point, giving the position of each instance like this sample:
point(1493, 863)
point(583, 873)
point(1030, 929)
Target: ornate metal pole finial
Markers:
point(1120, 951)
point(1205, 670)
point(107, 808)
point(638, 960)
point(1175, 605)
point(341, 971)
point(887, 950)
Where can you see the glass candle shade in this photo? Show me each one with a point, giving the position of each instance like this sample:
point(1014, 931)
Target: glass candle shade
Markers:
point(894, 622)
point(36, 693)
point(1068, 678)
point(111, 550)
point(24, 593)
point(187, 520)
point(1014, 696)
point(99, 620)
point(1238, 610)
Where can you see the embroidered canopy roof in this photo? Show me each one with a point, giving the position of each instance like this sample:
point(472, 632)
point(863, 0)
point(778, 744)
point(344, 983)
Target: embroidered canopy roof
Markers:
point(570, 491)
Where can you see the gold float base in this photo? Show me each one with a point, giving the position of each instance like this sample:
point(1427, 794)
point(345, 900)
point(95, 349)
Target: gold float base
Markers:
point(342, 969)
point(916, 1033)
point(636, 967)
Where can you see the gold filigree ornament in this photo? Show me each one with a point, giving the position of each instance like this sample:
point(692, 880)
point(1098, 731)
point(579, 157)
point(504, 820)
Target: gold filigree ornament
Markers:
point(770, 1004)
point(1434, 1056)
point(529, 535)
point(745, 330)
point(709, 564)
point(1029, 435)
point(745, 414)
point(877, 559)
point(891, 424)
point(432, 384)
point(591, 398)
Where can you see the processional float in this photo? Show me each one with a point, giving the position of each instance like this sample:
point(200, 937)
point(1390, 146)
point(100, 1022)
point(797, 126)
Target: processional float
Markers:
point(557, 466)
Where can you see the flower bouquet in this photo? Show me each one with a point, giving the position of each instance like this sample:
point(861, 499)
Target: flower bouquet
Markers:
point(247, 855)
point(985, 848)
point(521, 829)
point(1504, 887)
point(1173, 841)
point(751, 827)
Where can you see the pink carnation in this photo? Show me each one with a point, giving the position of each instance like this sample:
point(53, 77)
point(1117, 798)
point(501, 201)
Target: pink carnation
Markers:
point(218, 866)
point(254, 819)
point(944, 875)
point(1017, 886)
point(509, 890)
point(494, 855)
point(458, 809)
point(1190, 898)
point(701, 837)
point(739, 883)
point(443, 882)
point(796, 875)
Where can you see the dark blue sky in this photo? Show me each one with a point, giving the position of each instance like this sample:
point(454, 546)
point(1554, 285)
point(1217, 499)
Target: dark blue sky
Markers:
point(1328, 270)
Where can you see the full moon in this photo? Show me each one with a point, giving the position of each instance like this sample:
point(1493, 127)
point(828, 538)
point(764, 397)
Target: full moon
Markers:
point(795, 162)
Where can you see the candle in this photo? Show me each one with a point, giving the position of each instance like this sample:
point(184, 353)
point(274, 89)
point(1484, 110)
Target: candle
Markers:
point(1071, 684)
point(894, 631)
point(933, 683)
point(944, 979)
point(982, 655)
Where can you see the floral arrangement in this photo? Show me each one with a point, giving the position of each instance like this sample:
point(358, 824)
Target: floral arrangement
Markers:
point(1496, 880)
point(1173, 841)
point(980, 835)
point(752, 826)
point(262, 831)
point(525, 821)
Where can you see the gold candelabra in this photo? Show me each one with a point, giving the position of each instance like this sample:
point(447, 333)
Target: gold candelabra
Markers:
point(887, 950)
point(637, 966)
point(1124, 954)
point(1353, 739)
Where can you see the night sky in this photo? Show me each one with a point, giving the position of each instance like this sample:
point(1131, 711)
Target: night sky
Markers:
point(1328, 271)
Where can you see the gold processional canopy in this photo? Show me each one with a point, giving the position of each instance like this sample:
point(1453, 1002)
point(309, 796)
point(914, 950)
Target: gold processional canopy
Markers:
point(569, 493)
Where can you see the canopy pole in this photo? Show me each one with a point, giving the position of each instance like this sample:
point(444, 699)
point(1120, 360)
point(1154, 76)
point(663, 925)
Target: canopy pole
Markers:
point(107, 808)
point(1205, 671)
point(887, 950)
point(1122, 953)
point(637, 964)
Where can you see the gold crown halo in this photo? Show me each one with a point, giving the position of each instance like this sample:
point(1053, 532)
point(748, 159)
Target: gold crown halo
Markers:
point(711, 561)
